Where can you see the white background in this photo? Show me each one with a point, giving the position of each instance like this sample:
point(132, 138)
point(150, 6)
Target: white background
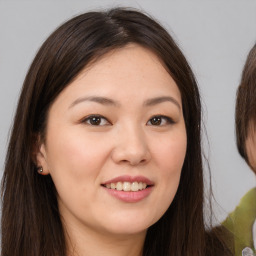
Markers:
point(215, 36)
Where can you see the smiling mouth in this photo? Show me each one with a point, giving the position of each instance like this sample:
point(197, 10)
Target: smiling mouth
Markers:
point(127, 186)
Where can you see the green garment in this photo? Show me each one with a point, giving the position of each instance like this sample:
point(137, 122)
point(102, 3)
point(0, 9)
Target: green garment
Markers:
point(240, 222)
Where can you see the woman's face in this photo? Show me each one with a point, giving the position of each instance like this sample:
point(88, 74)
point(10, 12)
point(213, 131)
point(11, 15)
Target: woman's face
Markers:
point(250, 145)
point(115, 144)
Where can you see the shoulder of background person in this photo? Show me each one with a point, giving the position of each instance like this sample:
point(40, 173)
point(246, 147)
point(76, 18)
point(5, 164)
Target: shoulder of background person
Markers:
point(240, 221)
point(248, 201)
point(244, 212)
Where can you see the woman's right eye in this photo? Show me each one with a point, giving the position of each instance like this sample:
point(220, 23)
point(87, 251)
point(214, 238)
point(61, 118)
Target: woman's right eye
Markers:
point(96, 120)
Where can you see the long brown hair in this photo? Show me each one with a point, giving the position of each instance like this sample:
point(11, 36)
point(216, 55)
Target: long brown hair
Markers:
point(246, 103)
point(31, 223)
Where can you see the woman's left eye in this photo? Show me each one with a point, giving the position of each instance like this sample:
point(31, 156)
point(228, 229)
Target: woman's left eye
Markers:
point(160, 121)
point(96, 120)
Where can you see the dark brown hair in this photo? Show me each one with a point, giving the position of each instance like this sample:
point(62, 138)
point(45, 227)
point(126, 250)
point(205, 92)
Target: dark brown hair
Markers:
point(31, 222)
point(246, 103)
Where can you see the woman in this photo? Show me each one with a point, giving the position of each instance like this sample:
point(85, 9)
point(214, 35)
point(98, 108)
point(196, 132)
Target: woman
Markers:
point(242, 221)
point(105, 153)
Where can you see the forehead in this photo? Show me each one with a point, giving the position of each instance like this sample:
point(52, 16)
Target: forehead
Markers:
point(131, 72)
point(132, 62)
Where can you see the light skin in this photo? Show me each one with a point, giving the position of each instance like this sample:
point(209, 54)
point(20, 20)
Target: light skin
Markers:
point(250, 145)
point(122, 116)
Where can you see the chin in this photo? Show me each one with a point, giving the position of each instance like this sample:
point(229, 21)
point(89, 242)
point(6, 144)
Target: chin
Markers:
point(130, 225)
point(126, 230)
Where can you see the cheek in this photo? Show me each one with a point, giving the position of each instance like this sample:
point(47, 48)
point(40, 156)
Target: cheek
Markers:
point(75, 160)
point(172, 160)
point(75, 154)
point(170, 154)
point(251, 152)
point(169, 158)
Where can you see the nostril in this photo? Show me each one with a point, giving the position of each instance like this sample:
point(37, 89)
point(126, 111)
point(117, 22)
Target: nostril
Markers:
point(131, 155)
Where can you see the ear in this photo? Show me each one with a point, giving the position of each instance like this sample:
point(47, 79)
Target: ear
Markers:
point(41, 159)
point(40, 156)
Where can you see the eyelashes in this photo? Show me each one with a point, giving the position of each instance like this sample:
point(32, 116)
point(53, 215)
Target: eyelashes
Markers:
point(99, 120)
point(160, 120)
point(96, 120)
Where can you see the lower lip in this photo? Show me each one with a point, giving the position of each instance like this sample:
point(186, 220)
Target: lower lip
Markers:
point(129, 197)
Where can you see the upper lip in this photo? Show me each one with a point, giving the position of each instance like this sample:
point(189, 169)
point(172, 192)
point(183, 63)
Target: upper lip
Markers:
point(129, 179)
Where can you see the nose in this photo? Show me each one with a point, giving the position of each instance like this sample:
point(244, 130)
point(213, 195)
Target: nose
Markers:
point(131, 147)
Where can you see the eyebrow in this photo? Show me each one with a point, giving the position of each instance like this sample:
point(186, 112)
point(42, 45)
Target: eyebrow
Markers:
point(110, 102)
point(101, 100)
point(158, 100)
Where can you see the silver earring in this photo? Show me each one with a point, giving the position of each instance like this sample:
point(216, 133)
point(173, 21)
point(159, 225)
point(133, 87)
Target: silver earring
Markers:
point(40, 169)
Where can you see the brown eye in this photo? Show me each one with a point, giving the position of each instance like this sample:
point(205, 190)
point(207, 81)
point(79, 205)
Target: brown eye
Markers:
point(156, 120)
point(160, 121)
point(96, 120)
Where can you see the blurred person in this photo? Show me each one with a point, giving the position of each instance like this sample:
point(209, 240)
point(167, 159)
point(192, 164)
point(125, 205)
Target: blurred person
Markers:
point(242, 221)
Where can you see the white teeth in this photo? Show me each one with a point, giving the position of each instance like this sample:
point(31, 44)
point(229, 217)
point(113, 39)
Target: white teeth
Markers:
point(127, 186)
point(119, 186)
point(135, 186)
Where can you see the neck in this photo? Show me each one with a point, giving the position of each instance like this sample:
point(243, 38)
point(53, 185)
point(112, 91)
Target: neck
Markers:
point(90, 243)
